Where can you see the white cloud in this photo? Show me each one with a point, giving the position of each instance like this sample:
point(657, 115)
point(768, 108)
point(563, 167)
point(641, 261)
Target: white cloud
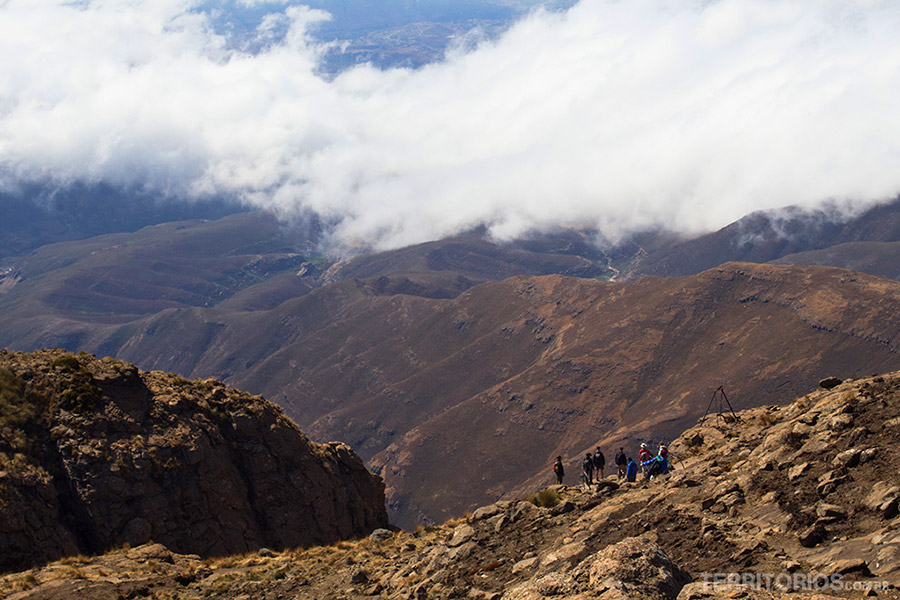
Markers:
point(614, 114)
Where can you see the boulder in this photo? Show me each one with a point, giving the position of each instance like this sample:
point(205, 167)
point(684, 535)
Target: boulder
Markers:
point(725, 488)
point(884, 499)
point(841, 422)
point(486, 512)
point(549, 585)
point(867, 455)
point(562, 508)
point(461, 535)
point(829, 481)
point(359, 576)
point(606, 485)
point(797, 470)
point(524, 564)
point(847, 458)
point(523, 509)
point(563, 557)
point(635, 569)
point(463, 551)
point(380, 534)
point(732, 499)
point(830, 383)
point(889, 509)
point(813, 535)
point(848, 565)
point(834, 511)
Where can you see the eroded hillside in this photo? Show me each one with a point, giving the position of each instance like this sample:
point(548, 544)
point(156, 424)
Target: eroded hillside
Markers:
point(470, 401)
point(797, 493)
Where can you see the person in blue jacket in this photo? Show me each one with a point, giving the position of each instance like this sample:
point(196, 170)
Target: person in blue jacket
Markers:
point(663, 458)
point(656, 466)
point(631, 470)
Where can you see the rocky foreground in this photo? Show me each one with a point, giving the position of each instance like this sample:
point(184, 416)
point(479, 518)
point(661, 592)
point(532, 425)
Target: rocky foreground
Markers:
point(801, 496)
point(95, 454)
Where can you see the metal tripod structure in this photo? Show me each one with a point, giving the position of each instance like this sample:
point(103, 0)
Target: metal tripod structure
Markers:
point(722, 403)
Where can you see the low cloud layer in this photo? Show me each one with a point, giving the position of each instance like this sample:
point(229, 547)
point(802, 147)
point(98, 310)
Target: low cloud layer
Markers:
point(616, 115)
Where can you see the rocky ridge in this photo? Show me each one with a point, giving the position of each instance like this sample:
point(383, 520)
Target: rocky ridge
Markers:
point(802, 492)
point(95, 454)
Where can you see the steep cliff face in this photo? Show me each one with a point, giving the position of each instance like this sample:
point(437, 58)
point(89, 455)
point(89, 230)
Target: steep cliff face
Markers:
point(95, 453)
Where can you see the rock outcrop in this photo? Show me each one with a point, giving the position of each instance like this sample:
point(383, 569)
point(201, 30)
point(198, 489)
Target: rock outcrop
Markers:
point(96, 454)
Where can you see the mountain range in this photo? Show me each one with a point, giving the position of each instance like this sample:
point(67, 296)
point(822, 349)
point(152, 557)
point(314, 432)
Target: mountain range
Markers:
point(439, 362)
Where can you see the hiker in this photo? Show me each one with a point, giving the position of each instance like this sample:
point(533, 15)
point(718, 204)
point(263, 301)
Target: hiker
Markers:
point(631, 470)
point(599, 463)
point(663, 458)
point(651, 467)
point(621, 461)
point(559, 470)
point(643, 456)
point(588, 465)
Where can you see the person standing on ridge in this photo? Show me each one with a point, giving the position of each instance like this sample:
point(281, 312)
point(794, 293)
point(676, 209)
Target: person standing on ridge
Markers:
point(621, 461)
point(663, 457)
point(599, 463)
point(559, 470)
point(643, 454)
point(631, 470)
point(588, 465)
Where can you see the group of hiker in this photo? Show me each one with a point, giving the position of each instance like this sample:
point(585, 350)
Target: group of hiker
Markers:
point(649, 464)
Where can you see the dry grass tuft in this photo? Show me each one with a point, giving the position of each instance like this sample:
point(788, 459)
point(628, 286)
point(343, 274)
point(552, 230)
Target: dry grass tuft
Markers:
point(234, 560)
point(767, 419)
point(802, 402)
point(28, 582)
point(69, 573)
point(545, 498)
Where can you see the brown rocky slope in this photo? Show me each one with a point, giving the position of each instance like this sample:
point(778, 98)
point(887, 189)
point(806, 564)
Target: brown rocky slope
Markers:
point(443, 394)
point(95, 454)
point(468, 401)
point(786, 495)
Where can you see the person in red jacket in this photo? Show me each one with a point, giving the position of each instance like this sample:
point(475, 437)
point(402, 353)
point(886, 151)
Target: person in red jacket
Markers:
point(643, 455)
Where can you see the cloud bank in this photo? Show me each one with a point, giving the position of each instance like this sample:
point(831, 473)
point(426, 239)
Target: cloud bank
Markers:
point(619, 115)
